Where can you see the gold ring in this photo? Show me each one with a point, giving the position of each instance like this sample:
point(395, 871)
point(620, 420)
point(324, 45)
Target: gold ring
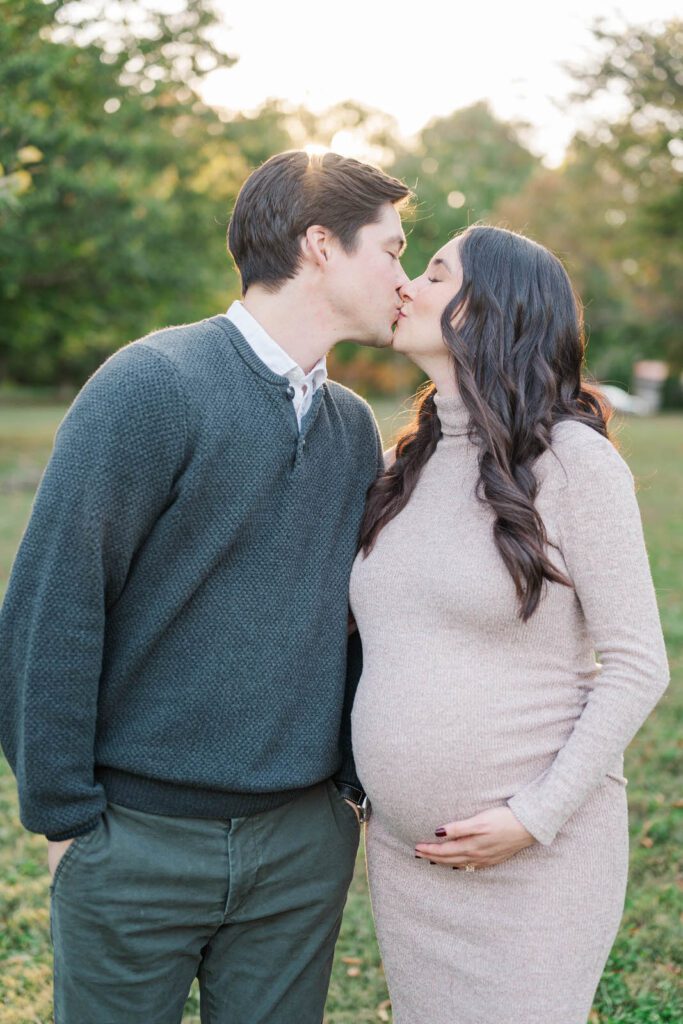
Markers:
point(470, 867)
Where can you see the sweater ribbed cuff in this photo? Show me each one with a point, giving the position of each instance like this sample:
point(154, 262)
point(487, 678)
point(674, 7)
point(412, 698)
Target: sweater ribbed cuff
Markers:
point(73, 833)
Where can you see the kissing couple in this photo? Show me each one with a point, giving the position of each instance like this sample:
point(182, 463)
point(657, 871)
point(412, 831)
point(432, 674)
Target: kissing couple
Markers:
point(235, 633)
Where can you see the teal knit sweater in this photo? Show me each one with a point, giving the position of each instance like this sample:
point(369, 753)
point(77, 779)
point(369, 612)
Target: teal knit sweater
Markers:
point(174, 634)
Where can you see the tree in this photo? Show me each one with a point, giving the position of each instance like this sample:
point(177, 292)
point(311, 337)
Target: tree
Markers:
point(614, 211)
point(460, 167)
point(115, 182)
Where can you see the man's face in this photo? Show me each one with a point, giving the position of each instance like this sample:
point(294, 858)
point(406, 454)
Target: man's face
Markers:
point(363, 285)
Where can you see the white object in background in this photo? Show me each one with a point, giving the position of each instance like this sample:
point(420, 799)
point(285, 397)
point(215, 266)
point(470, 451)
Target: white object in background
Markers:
point(649, 376)
point(621, 401)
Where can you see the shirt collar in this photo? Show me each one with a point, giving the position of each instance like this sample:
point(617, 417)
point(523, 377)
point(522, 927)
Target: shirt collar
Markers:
point(268, 350)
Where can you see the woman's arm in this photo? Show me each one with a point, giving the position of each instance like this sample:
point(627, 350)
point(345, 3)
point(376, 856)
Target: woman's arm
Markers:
point(601, 540)
point(602, 543)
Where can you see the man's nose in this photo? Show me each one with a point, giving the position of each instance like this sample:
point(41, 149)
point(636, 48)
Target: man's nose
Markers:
point(407, 290)
point(403, 279)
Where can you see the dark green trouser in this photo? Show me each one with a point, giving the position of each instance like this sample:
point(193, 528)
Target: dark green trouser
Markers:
point(251, 906)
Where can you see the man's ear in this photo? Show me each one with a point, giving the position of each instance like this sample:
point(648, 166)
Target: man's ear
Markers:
point(316, 244)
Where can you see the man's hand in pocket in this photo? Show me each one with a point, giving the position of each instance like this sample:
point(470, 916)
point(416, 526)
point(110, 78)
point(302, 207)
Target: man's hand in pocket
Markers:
point(55, 852)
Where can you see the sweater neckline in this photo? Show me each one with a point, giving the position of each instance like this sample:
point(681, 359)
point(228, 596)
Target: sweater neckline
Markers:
point(453, 415)
point(247, 353)
point(256, 364)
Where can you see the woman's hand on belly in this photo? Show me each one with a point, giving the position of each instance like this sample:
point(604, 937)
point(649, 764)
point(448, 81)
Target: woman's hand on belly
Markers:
point(484, 840)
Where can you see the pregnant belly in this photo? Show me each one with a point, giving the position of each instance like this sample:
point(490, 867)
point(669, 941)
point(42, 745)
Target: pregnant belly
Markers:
point(427, 754)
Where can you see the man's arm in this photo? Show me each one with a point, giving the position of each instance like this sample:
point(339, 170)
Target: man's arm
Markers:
point(346, 774)
point(346, 778)
point(110, 475)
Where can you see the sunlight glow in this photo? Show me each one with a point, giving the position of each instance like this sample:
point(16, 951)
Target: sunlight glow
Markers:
point(416, 67)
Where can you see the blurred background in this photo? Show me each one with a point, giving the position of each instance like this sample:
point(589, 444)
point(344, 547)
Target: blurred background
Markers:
point(126, 130)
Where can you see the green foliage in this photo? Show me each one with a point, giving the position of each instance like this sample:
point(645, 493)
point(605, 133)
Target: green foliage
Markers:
point(117, 181)
point(614, 211)
point(641, 157)
point(461, 166)
point(114, 175)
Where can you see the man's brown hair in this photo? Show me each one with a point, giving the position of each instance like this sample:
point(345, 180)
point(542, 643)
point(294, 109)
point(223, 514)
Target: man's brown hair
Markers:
point(282, 198)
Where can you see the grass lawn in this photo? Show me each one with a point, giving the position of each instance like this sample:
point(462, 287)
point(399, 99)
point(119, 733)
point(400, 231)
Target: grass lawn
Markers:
point(643, 982)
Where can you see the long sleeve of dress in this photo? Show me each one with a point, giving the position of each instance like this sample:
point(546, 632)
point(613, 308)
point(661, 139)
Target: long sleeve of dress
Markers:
point(601, 540)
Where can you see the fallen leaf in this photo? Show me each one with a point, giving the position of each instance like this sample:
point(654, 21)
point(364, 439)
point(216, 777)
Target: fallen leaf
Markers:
point(383, 1010)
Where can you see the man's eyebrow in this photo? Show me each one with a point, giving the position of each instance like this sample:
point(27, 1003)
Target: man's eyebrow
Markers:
point(439, 262)
point(400, 241)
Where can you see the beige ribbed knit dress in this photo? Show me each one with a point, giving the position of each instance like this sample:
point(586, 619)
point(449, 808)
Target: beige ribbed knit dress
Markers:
point(463, 707)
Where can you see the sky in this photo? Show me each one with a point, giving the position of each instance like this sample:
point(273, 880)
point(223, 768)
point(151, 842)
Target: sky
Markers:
point(420, 60)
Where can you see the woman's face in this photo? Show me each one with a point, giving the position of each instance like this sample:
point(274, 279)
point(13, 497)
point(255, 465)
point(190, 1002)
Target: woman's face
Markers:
point(418, 331)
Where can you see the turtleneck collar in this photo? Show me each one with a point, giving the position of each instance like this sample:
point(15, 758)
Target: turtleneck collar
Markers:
point(453, 415)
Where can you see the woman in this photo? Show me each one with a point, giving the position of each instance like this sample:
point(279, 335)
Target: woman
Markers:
point(500, 551)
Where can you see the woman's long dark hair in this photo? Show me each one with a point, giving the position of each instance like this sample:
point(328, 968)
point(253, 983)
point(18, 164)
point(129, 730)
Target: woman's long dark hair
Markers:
point(518, 351)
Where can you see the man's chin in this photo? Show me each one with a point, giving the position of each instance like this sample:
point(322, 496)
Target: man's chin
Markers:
point(383, 339)
point(396, 339)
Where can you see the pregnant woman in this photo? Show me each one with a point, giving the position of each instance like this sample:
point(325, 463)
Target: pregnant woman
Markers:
point(501, 551)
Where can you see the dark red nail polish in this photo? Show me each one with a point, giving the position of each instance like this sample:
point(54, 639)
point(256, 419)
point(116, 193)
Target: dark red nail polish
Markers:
point(432, 862)
point(440, 832)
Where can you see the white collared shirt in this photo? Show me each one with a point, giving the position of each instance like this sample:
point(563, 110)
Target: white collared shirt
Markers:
point(276, 359)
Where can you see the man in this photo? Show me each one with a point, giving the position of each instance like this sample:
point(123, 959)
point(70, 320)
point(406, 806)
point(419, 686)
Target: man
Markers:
point(174, 633)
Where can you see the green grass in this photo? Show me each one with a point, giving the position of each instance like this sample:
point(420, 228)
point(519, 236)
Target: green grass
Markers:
point(643, 981)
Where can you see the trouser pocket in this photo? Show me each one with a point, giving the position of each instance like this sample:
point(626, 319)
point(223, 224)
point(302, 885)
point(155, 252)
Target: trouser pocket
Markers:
point(72, 854)
point(130, 913)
